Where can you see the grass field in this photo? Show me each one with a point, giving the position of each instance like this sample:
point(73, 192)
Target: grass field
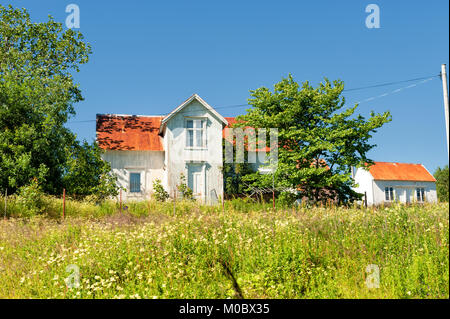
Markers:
point(249, 251)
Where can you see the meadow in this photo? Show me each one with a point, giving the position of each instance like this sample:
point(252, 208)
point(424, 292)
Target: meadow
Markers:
point(246, 251)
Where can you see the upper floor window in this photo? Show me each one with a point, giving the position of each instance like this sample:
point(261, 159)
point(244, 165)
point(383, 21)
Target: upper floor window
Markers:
point(420, 192)
point(389, 193)
point(135, 182)
point(196, 133)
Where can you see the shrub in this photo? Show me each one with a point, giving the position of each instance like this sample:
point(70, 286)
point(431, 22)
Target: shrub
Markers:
point(184, 189)
point(160, 193)
point(287, 199)
point(31, 199)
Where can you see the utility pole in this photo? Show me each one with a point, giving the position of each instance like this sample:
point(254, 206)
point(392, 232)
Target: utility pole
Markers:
point(445, 90)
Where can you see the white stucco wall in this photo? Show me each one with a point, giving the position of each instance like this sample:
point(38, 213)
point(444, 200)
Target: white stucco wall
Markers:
point(149, 163)
point(364, 181)
point(179, 156)
point(404, 191)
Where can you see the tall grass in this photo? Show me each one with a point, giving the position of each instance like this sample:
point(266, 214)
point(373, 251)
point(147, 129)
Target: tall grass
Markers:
point(248, 251)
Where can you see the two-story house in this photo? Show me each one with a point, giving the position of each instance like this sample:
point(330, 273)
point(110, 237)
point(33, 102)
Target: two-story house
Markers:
point(187, 141)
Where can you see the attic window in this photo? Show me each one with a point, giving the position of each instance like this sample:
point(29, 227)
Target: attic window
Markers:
point(195, 133)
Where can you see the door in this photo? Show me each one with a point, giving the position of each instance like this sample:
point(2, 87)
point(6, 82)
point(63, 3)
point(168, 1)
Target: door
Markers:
point(196, 180)
point(198, 185)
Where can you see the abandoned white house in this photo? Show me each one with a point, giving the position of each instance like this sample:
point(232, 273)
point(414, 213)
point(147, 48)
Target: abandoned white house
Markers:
point(387, 182)
point(188, 141)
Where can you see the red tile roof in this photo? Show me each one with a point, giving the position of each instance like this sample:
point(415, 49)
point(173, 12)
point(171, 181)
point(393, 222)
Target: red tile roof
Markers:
point(129, 132)
point(400, 172)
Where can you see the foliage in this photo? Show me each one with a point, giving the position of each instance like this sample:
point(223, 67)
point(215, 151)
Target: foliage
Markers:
point(296, 253)
point(160, 193)
point(318, 141)
point(442, 183)
point(87, 173)
point(37, 94)
point(30, 199)
point(233, 182)
point(286, 199)
point(185, 191)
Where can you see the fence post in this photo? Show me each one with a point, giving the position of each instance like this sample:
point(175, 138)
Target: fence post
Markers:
point(365, 199)
point(120, 201)
point(64, 203)
point(6, 197)
point(174, 202)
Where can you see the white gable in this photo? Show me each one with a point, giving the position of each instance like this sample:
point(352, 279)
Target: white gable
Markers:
point(187, 102)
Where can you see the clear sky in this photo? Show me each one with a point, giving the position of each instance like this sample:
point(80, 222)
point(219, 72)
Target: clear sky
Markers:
point(149, 56)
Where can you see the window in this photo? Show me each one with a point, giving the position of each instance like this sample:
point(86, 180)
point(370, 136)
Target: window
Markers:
point(420, 192)
point(135, 182)
point(389, 193)
point(195, 133)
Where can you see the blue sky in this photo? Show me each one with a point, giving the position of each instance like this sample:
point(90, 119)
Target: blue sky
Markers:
point(149, 56)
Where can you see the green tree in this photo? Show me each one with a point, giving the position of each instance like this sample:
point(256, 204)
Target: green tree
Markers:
point(37, 93)
point(318, 140)
point(442, 184)
point(86, 173)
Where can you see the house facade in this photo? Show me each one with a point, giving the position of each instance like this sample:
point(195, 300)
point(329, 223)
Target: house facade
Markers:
point(186, 142)
point(386, 182)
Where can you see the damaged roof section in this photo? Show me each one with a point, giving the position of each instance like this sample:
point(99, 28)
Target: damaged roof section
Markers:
point(129, 132)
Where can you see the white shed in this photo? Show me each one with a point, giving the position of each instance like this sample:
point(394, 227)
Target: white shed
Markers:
point(386, 182)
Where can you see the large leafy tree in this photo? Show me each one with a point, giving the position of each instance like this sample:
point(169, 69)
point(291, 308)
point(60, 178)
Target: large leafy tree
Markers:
point(442, 185)
point(319, 139)
point(37, 94)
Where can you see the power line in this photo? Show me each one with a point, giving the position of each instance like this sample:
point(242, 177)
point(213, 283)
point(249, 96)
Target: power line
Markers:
point(396, 90)
point(426, 78)
point(390, 83)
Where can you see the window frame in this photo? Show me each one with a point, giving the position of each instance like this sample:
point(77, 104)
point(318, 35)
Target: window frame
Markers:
point(420, 194)
point(389, 194)
point(131, 184)
point(203, 129)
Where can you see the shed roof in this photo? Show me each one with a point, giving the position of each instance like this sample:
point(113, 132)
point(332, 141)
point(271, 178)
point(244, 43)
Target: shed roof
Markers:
point(400, 172)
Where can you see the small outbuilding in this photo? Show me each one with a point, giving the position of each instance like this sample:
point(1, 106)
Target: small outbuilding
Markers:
point(386, 182)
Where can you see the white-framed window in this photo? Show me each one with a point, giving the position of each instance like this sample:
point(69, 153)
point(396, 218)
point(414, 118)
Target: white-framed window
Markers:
point(420, 194)
point(135, 182)
point(195, 132)
point(389, 193)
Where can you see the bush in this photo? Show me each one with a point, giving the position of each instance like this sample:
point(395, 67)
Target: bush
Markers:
point(160, 193)
point(287, 199)
point(31, 199)
point(185, 191)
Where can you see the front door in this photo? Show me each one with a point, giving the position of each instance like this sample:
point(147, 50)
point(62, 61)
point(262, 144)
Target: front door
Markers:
point(196, 180)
